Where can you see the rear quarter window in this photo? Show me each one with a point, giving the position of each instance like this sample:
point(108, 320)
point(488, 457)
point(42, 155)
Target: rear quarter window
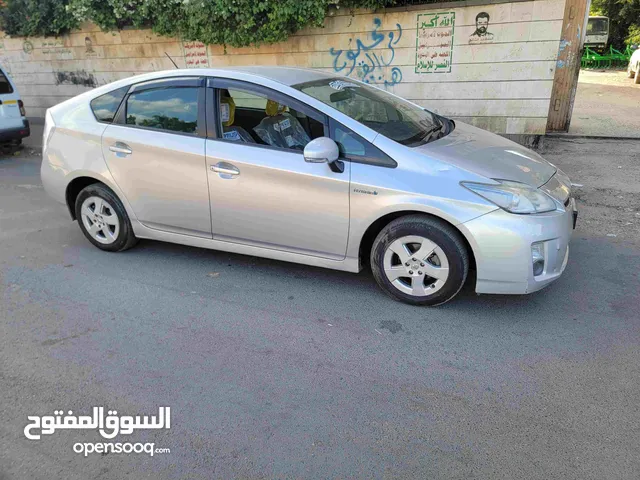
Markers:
point(105, 106)
point(5, 85)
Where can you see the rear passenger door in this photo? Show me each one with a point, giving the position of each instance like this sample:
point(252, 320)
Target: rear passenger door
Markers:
point(155, 152)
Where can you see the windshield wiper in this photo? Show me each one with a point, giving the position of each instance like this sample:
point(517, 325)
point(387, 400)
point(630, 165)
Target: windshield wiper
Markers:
point(419, 137)
point(427, 136)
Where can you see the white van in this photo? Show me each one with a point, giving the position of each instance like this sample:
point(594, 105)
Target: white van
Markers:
point(13, 123)
point(597, 35)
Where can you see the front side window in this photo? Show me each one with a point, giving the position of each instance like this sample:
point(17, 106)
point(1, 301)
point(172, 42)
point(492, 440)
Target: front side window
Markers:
point(353, 147)
point(254, 118)
point(105, 106)
point(388, 115)
point(174, 109)
point(348, 142)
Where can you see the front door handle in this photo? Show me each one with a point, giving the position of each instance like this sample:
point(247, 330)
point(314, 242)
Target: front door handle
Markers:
point(120, 147)
point(226, 170)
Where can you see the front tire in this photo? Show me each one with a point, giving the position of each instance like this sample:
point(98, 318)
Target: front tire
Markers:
point(420, 260)
point(103, 219)
point(636, 79)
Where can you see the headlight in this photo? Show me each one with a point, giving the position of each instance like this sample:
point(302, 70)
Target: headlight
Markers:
point(514, 197)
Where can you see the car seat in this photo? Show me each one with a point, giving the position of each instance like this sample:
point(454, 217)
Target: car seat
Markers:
point(281, 129)
point(227, 116)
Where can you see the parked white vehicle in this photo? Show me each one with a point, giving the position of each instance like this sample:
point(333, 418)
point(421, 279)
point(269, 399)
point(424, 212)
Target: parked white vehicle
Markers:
point(634, 66)
point(13, 123)
point(597, 35)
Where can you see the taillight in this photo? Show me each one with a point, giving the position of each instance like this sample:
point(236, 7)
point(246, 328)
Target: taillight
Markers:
point(21, 106)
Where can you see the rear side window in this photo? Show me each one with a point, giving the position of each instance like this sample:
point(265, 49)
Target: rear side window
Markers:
point(105, 106)
point(5, 85)
point(174, 109)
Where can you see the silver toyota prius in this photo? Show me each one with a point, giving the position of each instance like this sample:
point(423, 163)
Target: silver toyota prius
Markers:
point(308, 167)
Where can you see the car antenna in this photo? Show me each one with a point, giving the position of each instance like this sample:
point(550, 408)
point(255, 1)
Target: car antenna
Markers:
point(174, 63)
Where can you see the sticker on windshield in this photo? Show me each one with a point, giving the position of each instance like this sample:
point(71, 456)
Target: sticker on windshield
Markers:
point(341, 84)
point(290, 141)
point(232, 135)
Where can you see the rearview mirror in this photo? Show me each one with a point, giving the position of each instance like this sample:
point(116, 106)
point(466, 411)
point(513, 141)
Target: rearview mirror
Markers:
point(341, 96)
point(321, 150)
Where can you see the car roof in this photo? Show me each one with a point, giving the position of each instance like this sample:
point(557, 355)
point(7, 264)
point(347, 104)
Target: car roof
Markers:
point(285, 75)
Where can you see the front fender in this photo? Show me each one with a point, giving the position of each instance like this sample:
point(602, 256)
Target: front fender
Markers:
point(452, 211)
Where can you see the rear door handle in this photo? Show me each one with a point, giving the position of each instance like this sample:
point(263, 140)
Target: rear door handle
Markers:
point(226, 170)
point(120, 147)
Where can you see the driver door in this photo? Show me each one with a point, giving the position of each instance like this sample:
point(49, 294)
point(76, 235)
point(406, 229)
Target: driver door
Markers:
point(263, 192)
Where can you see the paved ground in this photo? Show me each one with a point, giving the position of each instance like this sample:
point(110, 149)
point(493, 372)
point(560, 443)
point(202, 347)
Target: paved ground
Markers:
point(607, 103)
point(275, 370)
point(34, 141)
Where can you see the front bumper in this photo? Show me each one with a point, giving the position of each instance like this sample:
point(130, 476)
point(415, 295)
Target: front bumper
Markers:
point(501, 243)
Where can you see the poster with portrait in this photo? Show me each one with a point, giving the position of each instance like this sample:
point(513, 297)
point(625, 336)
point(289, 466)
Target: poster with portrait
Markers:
point(481, 34)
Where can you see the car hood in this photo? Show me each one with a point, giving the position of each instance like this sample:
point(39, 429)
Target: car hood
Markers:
point(489, 155)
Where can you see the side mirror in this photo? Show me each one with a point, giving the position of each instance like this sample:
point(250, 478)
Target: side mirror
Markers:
point(321, 150)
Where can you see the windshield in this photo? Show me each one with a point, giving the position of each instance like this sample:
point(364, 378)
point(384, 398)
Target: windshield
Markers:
point(597, 26)
point(390, 116)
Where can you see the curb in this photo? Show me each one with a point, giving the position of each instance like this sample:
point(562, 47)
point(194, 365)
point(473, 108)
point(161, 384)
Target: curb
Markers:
point(571, 136)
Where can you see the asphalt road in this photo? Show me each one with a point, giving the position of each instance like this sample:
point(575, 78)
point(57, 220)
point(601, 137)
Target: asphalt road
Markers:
point(274, 370)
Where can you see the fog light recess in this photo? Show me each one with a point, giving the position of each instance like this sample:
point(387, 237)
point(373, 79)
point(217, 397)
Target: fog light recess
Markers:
point(537, 258)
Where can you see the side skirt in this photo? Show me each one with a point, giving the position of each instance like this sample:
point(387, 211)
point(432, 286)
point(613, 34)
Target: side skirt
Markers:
point(349, 264)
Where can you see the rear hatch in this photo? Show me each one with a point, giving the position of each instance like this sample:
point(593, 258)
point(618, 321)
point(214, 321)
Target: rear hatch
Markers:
point(10, 116)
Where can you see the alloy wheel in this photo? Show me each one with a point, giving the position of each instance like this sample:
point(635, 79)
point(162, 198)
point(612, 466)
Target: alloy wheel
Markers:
point(416, 266)
point(100, 220)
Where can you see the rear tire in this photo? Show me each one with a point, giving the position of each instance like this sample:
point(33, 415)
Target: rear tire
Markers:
point(420, 260)
point(636, 79)
point(103, 219)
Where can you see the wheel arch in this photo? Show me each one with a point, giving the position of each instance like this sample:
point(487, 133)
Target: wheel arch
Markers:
point(370, 234)
point(74, 187)
point(77, 184)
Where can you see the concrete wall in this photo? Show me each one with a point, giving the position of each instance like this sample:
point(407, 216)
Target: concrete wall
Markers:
point(500, 81)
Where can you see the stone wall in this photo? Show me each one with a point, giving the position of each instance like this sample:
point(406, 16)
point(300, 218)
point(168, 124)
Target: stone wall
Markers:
point(499, 78)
